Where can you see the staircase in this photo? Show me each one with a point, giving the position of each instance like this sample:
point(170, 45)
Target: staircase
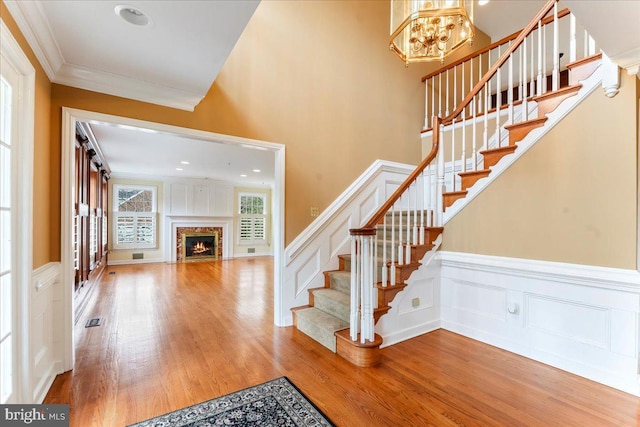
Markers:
point(326, 318)
point(394, 242)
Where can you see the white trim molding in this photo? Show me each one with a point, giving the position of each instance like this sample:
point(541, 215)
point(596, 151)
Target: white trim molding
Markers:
point(582, 319)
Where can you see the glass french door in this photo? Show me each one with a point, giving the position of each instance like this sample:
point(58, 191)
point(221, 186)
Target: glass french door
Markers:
point(8, 129)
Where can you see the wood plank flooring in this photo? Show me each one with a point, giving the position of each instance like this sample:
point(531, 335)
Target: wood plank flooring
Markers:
point(175, 335)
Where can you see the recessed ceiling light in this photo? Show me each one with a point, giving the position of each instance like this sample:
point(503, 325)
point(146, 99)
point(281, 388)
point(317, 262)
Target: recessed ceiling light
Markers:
point(256, 170)
point(179, 169)
point(132, 15)
point(244, 175)
point(482, 2)
point(184, 162)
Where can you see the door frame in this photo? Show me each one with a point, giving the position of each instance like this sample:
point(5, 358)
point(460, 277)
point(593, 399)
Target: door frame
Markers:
point(24, 213)
point(69, 118)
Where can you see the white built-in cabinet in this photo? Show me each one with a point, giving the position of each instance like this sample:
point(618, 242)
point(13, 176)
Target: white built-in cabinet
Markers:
point(199, 198)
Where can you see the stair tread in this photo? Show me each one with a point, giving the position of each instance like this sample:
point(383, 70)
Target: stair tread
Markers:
point(476, 172)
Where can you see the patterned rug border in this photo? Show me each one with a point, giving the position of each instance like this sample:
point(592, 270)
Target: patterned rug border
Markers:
point(185, 416)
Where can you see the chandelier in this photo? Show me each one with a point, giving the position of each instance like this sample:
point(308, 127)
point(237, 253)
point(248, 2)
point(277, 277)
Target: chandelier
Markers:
point(426, 30)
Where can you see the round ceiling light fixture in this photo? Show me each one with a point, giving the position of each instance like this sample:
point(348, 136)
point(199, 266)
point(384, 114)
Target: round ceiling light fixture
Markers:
point(132, 15)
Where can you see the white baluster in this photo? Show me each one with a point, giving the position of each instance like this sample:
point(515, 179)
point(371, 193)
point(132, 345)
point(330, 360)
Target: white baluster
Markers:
point(480, 106)
point(555, 79)
point(573, 50)
point(544, 58)
point(525, 95)
point(463, 168)
point(592, 46)
point(392, 268)
point(400, 251)
point(440, 95)
point(455, 88)
point(354, 324)
point(453, 155)
point(384, 273)
point(433, 99)
point(510, 90)
point(473, 107)
point(423, 205)
point(585, 47)
point(414, 239)
point(440, 185)
point(485, 132)
point(532, 84)
point(474, 153)
point(498, 102)
point(539, 85)
point(426, 104)
point(447, 97)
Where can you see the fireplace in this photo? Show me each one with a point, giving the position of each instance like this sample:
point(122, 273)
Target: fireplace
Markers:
point(198, 243)
point(199, 246)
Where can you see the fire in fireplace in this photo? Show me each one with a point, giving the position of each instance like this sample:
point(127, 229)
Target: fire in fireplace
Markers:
point(200, 246)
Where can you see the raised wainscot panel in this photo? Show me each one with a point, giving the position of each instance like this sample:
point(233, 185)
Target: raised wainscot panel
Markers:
point(584, 323)
point(339, 238)
point(475, 299)
point(306, 272)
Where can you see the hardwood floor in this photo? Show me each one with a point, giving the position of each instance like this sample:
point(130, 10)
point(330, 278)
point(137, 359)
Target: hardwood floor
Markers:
point(175, 335)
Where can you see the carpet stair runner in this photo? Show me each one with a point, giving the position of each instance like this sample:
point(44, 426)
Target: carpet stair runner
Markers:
point(326, 318)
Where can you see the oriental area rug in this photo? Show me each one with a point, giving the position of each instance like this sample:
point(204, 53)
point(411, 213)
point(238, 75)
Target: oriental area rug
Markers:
point(274, 403)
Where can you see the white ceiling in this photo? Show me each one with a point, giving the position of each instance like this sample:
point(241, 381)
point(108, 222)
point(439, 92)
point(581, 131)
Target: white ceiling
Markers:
point(175, 60)
point(142, 152)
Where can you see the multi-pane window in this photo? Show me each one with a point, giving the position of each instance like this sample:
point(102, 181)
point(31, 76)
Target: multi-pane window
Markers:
point(252, 218)
point(134, 217)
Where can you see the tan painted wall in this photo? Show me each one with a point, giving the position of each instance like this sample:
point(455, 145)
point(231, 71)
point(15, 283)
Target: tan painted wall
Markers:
point(316, 76)
point(572, 198)
point(44, 240)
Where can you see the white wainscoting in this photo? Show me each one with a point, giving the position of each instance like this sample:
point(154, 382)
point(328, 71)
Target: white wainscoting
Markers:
point(582, 319)
point(46, 362)
point(316, 249)
point(415, 310)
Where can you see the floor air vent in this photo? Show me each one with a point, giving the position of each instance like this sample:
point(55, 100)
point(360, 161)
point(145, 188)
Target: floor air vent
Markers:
point(93, 322)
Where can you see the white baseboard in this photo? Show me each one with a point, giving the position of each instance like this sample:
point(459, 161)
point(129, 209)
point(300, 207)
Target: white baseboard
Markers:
point(135, 261)
point(582, 319)
point(408, 333)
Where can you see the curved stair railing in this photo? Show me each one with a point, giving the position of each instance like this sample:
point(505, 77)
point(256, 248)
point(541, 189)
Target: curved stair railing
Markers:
point(388, 248)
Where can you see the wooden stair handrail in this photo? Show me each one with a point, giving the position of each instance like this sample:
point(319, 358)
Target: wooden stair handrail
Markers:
point(500, 62)
point(561, 14)
point(370, 227)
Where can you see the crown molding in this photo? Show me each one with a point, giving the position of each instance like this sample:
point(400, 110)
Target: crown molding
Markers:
point(124, 87)
point(36, 29)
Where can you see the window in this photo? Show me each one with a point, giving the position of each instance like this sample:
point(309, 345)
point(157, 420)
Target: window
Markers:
point(134, 217)
point(253, 218)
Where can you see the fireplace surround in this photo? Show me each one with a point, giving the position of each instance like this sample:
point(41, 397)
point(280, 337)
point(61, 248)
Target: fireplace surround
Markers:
point(198, 243)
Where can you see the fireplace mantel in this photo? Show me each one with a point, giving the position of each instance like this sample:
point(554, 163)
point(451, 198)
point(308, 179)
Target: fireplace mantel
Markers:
point(173, 222)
